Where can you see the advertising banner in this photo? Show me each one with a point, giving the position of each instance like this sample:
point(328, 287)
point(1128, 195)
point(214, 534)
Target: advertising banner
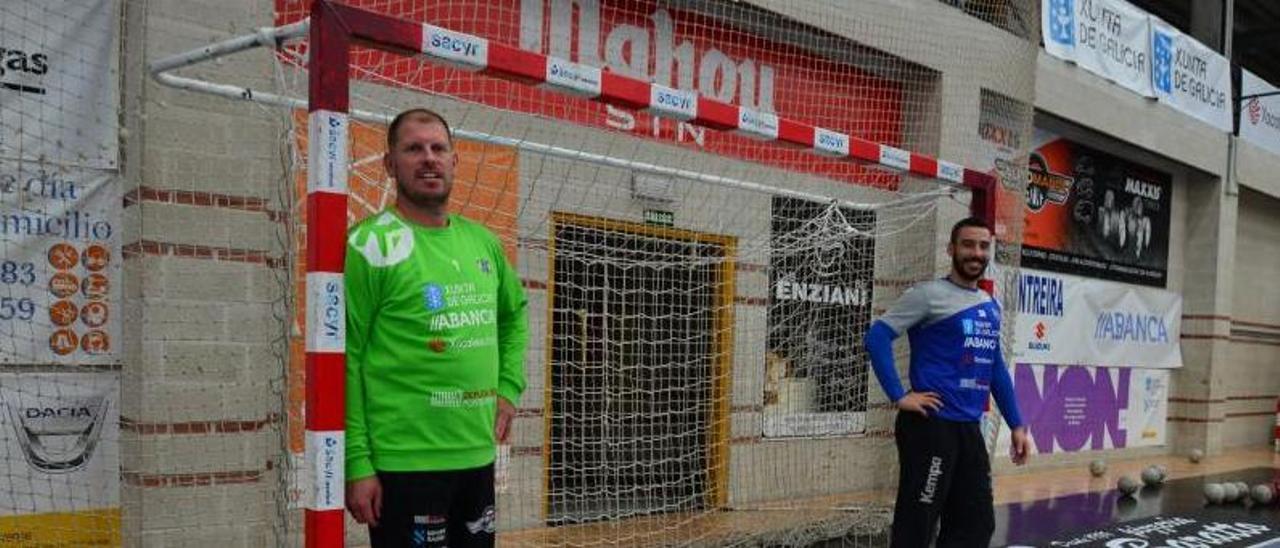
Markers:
point(1190, 77)
point(1071, 320)
point(819, 310)
point(1259, 116)
point(1070, 409)
point(1093, 214)
point(59, 83)
point(60, 282)
point(60, 450)
point(1224, 530)
point(1106, 37)
point(1003, 135)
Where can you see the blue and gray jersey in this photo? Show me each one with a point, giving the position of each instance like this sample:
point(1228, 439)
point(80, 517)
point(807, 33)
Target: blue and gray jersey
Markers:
point(955, 350)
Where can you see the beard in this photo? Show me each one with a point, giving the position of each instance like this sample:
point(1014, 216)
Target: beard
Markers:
point(426, 200)
point(964, 268)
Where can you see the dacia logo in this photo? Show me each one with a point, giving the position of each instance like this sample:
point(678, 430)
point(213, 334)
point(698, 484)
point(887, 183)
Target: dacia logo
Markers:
point(385, 241)
point(57, 412)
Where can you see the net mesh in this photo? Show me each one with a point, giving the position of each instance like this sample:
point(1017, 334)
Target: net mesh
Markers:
point(143, 323)
point(697, 297)
point(60, 282)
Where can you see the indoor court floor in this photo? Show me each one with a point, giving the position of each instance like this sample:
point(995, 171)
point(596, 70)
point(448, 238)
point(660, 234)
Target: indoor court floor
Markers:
point(1054, 507)
point(1068, 507)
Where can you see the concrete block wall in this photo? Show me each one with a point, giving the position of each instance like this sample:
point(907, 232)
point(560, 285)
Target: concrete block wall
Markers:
point(203, 381)
point(1252, 372)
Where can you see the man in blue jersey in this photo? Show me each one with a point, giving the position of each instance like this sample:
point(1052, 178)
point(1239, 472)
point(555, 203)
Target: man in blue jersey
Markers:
point(954, 331)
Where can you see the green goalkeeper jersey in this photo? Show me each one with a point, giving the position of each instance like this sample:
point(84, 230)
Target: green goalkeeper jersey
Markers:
point(436, 328)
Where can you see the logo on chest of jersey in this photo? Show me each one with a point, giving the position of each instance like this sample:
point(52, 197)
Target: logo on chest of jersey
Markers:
point(485, 266)
point(991, 313)
point(981, 343)
point(437, 297)
point(467, 318)
point(433, 297)
point(969, 358)
point(979, 328)
point(461, 398)
point(383, 242)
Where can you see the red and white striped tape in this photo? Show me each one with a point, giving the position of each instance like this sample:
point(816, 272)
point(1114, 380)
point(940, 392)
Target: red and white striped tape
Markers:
point(477, 54)
point(473, 53)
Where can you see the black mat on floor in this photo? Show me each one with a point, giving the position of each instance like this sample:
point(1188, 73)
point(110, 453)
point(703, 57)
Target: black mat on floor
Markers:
point(1158, 515)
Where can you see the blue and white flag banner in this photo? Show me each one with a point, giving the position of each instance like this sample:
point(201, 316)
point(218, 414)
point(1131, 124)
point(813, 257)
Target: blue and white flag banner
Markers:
point(1259, 113)
point(1189, 76)
point(1106, 37)
point(1140, 52)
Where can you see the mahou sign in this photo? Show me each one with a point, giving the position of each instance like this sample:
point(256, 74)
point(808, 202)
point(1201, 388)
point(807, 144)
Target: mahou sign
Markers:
point(688, 50)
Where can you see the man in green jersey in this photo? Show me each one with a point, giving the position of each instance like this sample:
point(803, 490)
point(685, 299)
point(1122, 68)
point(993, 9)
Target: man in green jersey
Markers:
point(436, 334)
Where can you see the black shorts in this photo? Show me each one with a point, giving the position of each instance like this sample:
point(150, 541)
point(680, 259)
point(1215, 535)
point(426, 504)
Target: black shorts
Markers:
point(429, 509)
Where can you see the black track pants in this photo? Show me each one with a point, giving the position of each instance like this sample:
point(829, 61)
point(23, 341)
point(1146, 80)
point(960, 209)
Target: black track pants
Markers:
point(945, 474)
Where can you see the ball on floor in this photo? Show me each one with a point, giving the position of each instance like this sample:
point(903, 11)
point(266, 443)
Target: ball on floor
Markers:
point(1243, 489)
point(1098, 468)
point(1151, 476)
point(1230, 492)
point(1195, 455)
point(1262, 494)
point(1164, 472)
point(1127, 485)
point(1214, 493)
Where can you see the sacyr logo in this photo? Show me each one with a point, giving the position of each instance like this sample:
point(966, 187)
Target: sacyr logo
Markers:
point(385, 241)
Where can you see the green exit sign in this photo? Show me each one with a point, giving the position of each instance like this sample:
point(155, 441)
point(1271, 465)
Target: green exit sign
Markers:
point(659, 217)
